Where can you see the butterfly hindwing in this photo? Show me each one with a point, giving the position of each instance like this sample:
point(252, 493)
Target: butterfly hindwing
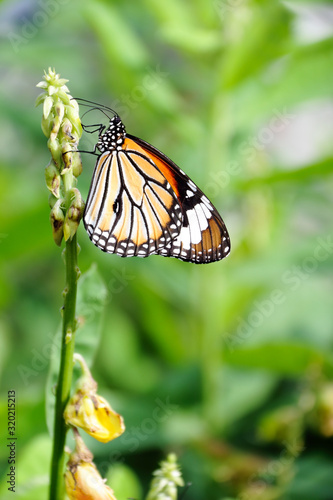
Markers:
point(203, 236)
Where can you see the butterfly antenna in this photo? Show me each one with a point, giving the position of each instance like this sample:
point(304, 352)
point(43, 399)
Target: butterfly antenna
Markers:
point(85, 102)
point(99, 109)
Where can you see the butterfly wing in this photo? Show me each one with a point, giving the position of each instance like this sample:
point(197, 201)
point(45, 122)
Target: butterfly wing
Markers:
point(203, 237)
point(131, 208)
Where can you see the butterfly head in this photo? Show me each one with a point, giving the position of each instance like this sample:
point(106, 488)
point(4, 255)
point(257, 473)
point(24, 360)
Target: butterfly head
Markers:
point(113, 137)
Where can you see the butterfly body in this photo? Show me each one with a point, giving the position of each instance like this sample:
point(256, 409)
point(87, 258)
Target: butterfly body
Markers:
point(140, 203)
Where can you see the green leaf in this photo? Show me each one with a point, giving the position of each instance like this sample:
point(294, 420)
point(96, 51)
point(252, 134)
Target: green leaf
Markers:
point(124, 482)
point(260, 39)
point(304, 174)
point(32, 471)
point(91, 299)
point(286, 359)
point(241, 392)
point(117, 39)
point(313, 479)
point(303, 76)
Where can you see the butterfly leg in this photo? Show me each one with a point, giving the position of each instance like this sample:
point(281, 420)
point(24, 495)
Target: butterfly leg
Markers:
point(98, 128)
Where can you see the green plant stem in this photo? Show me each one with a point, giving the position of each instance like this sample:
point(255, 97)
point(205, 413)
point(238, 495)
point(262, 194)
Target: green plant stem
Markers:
point(65, 373)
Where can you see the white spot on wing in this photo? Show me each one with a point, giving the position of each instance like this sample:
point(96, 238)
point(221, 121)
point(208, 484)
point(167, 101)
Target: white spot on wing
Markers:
point(206, 211)
point(206, 202)
point(194, 226)
point(185, 237)
point(203, 223)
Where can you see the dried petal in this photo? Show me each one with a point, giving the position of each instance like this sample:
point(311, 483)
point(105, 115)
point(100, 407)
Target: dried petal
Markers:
point(82, 479)
point(57, 221)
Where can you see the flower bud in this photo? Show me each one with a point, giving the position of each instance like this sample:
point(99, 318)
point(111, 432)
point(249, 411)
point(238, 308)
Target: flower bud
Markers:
point(60, 110)
point(67, 156)
point(59, 115)
point(57, 221)
point(61, 124)
point(47, 106)
point(74, 213)
point(52, 89)
point(76, 164)
point(72, 113)
point(52, 200)
point(52, 178)
point(82, 479)
point(42, 85)
point(166, 480)
point(47, 125)
point(40, 98)
point(55, 149)
point(92, 412)
point(62, 94)
point(55, 128)
point(66, 129)
point(72, 159)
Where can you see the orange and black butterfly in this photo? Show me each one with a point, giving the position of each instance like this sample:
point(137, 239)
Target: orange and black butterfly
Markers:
point(140, 203)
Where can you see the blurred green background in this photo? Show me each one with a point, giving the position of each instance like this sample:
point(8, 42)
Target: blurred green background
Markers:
point(229, 365)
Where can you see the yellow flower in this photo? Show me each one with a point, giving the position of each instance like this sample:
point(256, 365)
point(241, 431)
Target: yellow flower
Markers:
point(92, 412)
point(82, 479)
point(83, 482)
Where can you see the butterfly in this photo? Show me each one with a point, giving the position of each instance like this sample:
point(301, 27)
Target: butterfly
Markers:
point(140, 203)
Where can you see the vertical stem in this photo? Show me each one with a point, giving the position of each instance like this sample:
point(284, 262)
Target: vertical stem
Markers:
point(65, 373)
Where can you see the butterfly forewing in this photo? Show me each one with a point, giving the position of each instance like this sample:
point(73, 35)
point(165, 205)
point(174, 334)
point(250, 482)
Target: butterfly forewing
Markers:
point(131, 208)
